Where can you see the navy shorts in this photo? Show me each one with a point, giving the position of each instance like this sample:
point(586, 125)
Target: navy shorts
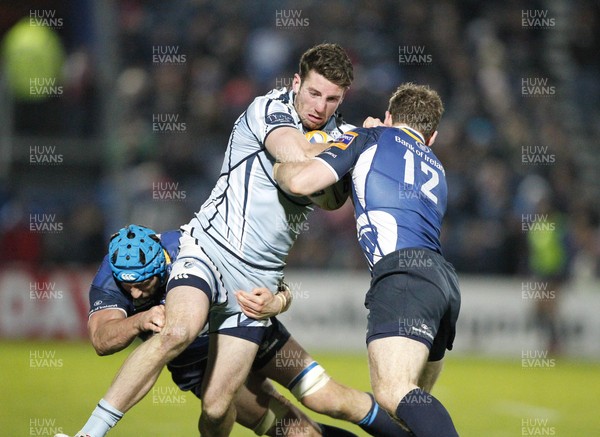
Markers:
point(415, 294)
point(187, 370)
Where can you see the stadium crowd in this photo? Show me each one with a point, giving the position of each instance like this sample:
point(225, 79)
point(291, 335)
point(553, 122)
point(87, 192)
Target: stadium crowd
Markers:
point(186, 70)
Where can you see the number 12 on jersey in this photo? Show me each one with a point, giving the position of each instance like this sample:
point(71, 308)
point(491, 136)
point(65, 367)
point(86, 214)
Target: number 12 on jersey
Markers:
point(409, 175)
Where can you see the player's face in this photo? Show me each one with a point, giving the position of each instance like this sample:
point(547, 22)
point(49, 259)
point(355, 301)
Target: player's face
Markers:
point(316, 99)
point(142, 291)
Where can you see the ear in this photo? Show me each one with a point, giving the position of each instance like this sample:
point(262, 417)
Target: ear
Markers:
point(296, 83)
point(388, 119)
point(431, 139)
point(342, 99)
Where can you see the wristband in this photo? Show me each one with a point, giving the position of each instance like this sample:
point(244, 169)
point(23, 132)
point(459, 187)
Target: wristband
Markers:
point(283, 302)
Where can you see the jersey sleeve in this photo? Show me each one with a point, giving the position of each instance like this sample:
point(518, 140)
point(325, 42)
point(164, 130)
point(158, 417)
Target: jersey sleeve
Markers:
point(264, 115)
point(104, 293)
point(341, 156)
point(170, 242)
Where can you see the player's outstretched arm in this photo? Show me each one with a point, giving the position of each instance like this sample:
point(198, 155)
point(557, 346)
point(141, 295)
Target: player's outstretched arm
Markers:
point(110, 330)
point(303, 178)
point(261, 303)
point(288, 144)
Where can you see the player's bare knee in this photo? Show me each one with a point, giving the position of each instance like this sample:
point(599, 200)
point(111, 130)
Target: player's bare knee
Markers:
point(174, 339)
point(216, 409)
point(386, 402)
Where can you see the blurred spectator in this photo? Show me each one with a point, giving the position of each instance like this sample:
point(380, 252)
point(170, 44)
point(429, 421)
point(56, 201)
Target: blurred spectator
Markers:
point(548, 255)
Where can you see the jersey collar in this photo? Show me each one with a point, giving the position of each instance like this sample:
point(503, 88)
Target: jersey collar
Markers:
point(416, 135)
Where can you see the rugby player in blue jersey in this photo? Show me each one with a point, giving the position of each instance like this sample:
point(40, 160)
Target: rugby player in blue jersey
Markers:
point(399, 193)
point(239, 240)
point(126, 301)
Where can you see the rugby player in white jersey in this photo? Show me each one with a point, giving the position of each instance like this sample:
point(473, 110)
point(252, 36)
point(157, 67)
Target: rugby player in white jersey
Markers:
point(239, 240)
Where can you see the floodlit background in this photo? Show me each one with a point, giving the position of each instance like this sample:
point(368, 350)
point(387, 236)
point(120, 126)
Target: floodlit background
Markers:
point(113, 112)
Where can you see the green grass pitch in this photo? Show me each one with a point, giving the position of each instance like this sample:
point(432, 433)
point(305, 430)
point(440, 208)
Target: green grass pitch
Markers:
point(49, 387)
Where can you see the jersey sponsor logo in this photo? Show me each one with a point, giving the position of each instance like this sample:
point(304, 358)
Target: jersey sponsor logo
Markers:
point(98, 302)
point(423, 330)
point(104, 307)
point(279, 118)
point(423, 147)
point(344, 140)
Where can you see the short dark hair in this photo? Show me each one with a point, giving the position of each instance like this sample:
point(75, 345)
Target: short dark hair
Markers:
point(330, 61)
point(417, 106)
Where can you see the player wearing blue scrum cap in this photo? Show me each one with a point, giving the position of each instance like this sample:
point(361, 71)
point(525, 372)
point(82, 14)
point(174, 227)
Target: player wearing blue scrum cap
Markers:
point(135, 257)
point(126, 297)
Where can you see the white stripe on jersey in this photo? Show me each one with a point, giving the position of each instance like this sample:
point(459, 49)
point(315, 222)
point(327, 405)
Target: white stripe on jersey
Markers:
point(253, 173)
point(258, 229)
point(359, 174)
point(235, 216)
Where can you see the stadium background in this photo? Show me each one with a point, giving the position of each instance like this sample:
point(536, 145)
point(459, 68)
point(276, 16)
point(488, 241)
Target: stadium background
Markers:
point(119, 111)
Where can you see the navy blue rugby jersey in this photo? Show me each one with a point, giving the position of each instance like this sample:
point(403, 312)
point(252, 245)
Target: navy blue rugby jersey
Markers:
point(105, 293)
point(398, 187)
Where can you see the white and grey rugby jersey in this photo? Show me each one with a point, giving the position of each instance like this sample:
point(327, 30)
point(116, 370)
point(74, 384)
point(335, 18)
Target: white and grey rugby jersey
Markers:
point(247, 214)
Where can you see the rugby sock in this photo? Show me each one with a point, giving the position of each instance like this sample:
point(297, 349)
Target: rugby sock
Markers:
point(425, 415)
point(379, 423)
point(103, 418)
